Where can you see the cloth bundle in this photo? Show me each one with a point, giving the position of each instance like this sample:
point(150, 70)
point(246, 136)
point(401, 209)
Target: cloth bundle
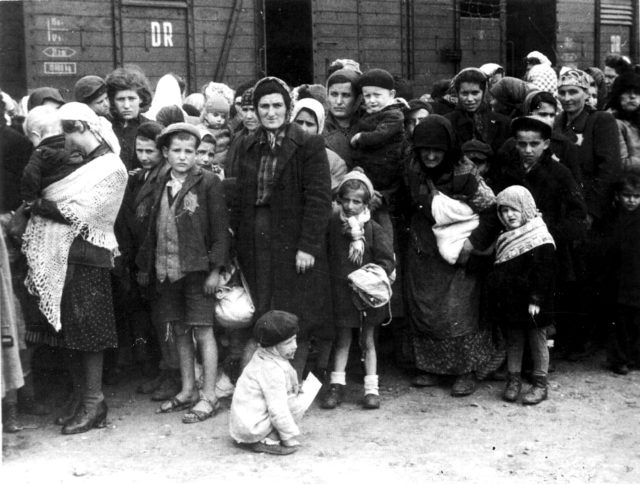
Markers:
point(455, 221)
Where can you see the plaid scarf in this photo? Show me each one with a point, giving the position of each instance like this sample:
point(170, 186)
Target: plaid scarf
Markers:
point(270, 142)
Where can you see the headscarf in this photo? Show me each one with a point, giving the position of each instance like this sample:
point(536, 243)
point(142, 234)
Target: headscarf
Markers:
point(167, 94)
point(543, 77)
point(312, 105)
point(353, 226)
point(511, 92)
point(98, 125)
point(532, 233)
point(544, 60)
point(574, 77)
point(270, 85)
point(491, 68)
point(434, 132)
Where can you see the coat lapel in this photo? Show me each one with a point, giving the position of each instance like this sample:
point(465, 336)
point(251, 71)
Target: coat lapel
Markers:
point(192, 179)
point(292, 140)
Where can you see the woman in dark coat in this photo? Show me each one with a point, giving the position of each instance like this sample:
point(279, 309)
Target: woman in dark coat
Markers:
point(282, 215)
point(443, 300)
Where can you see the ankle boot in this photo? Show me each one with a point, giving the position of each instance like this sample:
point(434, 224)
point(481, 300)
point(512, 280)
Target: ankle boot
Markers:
point(71, 408)
point(332, 397)
point(87, 418)
point(10, 423)
point(538, 391)
point(513, 387)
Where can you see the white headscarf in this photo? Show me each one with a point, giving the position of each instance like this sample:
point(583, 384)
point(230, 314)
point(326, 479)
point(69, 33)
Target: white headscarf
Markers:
point(99, 126)
point(167, 94)
point(312, 105)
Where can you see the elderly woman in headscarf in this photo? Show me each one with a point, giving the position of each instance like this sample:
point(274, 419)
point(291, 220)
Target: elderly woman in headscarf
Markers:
point(443, 295)
point(508, 95)
point(283, 195)
point(69, 244)
point(473, 118)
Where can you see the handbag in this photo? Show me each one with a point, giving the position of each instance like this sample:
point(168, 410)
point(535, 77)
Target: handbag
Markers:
point(234, 306)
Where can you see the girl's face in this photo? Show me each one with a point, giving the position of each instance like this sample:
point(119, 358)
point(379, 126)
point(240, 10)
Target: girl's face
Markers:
point(307, 122)
point(592, 100)
point(127, 104)
point(341, 99)
point(204, 154)
point(249, 118)
point(630, 101)
point(431, 157)
point(353, 202)
point(545, 113)
point(572, 99)
point(470, 96)
point(629, 198)
point(287, 349)
point(510, 217)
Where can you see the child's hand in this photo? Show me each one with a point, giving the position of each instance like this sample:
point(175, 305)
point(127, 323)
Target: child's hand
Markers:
point(355, 139)
point(534, 309)
point(304, 261)
point(211, 283)
point(291, 442)
point(142, 279)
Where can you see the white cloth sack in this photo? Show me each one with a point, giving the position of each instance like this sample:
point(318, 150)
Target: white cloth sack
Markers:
point(455, 221)
point(371, 284)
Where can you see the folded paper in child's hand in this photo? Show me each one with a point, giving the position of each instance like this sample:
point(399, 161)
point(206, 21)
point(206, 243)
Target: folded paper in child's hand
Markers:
point(310, 388)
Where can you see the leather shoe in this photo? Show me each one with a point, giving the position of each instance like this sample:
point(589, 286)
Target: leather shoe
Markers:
point(513, 388)
point(69, 411)
point(537, 393)
point(464, 385)
point(621, 369)
point(332, 397)
point(371, 401)
point(85, 420)
point(424, 380)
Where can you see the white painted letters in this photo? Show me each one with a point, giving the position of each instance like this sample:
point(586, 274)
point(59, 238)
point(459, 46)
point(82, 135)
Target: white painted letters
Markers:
point(161, 35)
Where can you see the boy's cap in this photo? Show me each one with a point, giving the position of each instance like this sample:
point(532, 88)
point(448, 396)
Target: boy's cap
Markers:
point(217, 102)
point(40, 95)
point(89, 88)
point(206, 135)
point(529, 123)
point(478, 147)
point(378, 78)
point(176, 128)
point(274, 327)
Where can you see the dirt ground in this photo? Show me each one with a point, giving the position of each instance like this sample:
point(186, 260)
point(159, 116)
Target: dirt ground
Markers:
point(587, 432)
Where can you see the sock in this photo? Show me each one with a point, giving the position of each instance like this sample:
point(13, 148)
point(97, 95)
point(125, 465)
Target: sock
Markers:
point(339, 378)
point(371, 385)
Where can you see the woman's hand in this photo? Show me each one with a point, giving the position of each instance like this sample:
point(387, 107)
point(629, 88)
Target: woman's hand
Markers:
point(534, 309)
point(354, 139)
point(304, 261)
point(211, 283)
point(465, 252)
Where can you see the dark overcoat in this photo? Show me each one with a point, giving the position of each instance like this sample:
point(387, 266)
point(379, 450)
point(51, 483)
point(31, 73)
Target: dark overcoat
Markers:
point(300, 208)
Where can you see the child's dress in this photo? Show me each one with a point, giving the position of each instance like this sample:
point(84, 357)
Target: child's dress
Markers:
point(265, 399)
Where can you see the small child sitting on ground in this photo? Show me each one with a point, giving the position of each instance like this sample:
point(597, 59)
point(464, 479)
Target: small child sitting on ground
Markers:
point(50, 161)
point(523, 283)
point(355, 240)
point(265, 408)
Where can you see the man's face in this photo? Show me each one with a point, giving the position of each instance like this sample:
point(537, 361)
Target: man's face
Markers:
point(610, 75)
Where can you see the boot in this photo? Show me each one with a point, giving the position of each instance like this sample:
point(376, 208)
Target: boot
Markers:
point(87, 418)
point(27, 403)
point(513, 387)
point(332, 397)
point(537, 393)
point(10, 423)
point(464, 385)
point(71, 408)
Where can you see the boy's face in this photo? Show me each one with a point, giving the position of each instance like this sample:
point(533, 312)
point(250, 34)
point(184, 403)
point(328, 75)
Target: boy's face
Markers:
point(510, 217)
point(545, 113)
point(531, 147)
point(592, 100)
point(127, 104)
point(470, 96)
point(629, 198)
point(204, 154)
point(147, 152)
point(375, 98)
point(340, 100)
point(100, 105)
point(287, 349)
point(352, 202)
point(215, 119)
point(181, 155)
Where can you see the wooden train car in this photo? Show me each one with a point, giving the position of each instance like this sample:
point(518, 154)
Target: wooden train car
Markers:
point(55, 42)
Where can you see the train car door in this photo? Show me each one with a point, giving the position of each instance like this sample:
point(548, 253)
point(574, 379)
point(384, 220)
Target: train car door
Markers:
point(288, 40)
point(616, 24)
point(155, 37)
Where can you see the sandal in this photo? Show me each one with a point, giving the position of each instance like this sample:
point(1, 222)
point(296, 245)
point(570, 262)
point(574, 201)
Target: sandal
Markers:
point(196, 416)
point(175, 404)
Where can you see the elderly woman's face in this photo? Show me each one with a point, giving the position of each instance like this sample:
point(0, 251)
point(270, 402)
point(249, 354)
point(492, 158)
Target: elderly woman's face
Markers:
point(341, 99)
point(272, 111)
point(249, 118)
point(431, 157)
point(572, 99)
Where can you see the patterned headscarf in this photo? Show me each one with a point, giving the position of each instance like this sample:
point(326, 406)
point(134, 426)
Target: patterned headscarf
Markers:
point(543, 77)
point(574, 77)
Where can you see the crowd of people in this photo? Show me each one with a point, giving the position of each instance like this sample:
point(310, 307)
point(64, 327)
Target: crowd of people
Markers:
point(486, 222)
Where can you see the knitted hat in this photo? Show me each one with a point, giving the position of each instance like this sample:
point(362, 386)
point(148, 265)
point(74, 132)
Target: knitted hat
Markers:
point(574, 77)
point(40, 95)
point(434, 132)
point(271, 85)
point(165, 135)
point(357, 174)
point(519, 198)
point(216, 102)
point(89, 88)
point(247, 98)
point(529, 123)
point(343, 76)
point(478, 147)
point(274, 327)
point(378, 78)
point(312, 105)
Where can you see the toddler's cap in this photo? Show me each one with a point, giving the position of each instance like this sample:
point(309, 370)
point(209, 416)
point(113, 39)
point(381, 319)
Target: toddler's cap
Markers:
point(217, 102)
point(274, 327)
point(378, 78)
point(478, 147)
point(175, 128)
point(89, 88)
